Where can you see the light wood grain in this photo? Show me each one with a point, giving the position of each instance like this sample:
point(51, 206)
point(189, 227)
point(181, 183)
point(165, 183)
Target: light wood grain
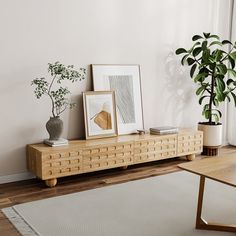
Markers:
point(82, 156)
point(190, 157)
point(221, 169)
point(31, 190)
point(51, 182)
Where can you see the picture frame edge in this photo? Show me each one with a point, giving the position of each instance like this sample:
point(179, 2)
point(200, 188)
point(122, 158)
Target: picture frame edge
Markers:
point(87, 136)
point(140, 87)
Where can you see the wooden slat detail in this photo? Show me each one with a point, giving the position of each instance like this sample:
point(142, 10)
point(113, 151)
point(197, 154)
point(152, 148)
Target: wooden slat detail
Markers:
point(61, 164)
point(158, 148)
point(91, 155)
point(106, 157)
point(190, 143)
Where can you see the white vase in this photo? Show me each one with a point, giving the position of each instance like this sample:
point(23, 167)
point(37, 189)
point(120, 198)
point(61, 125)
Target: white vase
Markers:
point(212, 134)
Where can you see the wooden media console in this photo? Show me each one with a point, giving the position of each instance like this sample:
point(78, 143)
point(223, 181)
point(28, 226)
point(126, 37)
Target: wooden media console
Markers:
point(81, 156)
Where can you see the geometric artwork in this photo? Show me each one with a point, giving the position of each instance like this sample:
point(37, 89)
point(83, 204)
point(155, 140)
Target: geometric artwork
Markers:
point(125, 81)
point(99, 114)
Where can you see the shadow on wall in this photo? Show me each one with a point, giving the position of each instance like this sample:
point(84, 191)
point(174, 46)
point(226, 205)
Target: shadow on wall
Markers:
point(75, 122)
point(76, 119)
point(180, 89)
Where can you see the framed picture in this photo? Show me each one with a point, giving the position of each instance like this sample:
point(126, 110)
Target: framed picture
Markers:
point(125, 81)
point(100, 114)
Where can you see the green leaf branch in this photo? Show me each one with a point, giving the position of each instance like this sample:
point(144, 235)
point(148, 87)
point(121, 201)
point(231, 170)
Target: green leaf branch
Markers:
point(54, 90)
point(213, 70)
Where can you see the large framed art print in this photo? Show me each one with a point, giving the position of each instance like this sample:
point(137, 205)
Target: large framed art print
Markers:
point(125, 81)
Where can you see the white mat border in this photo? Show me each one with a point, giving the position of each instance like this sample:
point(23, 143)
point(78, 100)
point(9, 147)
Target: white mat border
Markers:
point(18, 222)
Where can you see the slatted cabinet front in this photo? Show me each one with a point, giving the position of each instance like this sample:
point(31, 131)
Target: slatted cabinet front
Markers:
point(190, 142)
point(156, 148)
point(107, 156)
point(86, 156)
point(61, 164)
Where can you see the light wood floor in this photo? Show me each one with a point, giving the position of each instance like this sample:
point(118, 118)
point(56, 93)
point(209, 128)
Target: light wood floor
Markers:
point(31, 190)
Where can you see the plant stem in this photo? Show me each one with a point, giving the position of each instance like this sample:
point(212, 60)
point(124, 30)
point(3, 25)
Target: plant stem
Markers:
point(227, 54)
point(50, 86)
point(197, 60)
point(52, 104)
point(211, 95)
point(49, 94)
point(63, 109)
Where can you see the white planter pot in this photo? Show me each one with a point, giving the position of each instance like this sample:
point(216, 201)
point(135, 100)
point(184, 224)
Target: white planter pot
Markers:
point(212, 134)
point(231, 124)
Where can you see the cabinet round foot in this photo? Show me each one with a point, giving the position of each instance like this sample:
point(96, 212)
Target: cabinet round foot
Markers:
point(124, 167)
point(190, 157)
point(51, 182)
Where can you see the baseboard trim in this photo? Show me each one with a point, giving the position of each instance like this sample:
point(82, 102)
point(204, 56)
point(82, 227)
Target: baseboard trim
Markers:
point(16, 177)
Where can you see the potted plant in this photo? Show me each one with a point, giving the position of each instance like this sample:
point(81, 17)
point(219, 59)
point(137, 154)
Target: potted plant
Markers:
point(213, 70)
point(57, 93)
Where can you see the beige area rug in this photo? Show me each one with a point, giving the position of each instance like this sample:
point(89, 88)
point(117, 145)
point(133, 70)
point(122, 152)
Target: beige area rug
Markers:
point(158, 206)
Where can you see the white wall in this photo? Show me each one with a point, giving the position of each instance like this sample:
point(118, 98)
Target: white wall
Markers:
point(82, 32)
point(231, 106)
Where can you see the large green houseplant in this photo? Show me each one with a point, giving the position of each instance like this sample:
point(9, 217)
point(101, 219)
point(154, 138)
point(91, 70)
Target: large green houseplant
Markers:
point(57, 93)
point(212, 63)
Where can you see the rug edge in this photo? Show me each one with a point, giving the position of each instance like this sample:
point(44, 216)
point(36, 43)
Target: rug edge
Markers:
point(19, 222)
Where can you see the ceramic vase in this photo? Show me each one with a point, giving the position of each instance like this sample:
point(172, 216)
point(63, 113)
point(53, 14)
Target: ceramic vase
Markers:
point(54, 127)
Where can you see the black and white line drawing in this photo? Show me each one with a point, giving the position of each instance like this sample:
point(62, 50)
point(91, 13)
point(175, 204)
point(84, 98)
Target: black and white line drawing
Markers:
point(123, 86)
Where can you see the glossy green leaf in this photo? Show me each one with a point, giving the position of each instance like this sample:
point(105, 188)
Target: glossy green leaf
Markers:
point(180, 50)
point(183, 60)
point(232, 62)
point(222, 69)
point(232, 72)
point(196, 37)
point(233, 55)
point(216, 118)
point(193, 47)
point(214, 36)
point(219, 112)
point(206, 55)
point(228, 97)
point(206, 35)
point(202, 98)
point(193, 68)
point(234, 97)
point(218, 55)
point(220, 84)
point(226, 42)
point(229, 81)
point(215, 102)
point(206, 107)
point(204, 44)
point(200, 90)
point(200, 77)
point(190, 61)
point(196, 51)
point(215, 43)
point(219, 95)
point(207, 114)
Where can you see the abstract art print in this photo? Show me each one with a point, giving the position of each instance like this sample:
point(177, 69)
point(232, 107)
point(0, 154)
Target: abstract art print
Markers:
point(99, 114)
point(125, 81)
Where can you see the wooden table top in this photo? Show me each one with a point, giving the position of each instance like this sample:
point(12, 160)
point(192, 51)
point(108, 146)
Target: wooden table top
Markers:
point(222, 169)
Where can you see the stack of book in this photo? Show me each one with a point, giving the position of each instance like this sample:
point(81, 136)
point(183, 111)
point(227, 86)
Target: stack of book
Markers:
point(56, 143)
point(164, 130)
